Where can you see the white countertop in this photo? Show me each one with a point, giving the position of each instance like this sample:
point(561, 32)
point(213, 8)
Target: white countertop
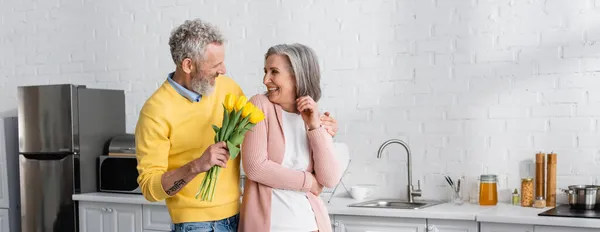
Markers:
point(504, 213)
point(501, 213)
point(466, 211)
point(123, 198)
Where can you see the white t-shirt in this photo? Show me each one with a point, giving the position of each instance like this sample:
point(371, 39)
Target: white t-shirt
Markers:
point(290, 210)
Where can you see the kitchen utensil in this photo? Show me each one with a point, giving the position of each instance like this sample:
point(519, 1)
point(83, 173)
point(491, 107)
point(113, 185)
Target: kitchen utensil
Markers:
point(582, 196)
point(456, 193)
point(551, 180)
point(540, 173)
point(597, 197)
point(449, 181)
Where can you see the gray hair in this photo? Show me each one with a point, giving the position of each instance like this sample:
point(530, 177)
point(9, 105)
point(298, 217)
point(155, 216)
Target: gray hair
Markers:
point(189, 40)
point(304, 68)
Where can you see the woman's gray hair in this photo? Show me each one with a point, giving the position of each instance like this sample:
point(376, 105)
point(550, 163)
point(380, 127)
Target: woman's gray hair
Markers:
point(189, 40)
point(304, 66)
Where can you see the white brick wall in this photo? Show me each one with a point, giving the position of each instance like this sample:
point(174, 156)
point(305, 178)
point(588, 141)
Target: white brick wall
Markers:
point(472, 86)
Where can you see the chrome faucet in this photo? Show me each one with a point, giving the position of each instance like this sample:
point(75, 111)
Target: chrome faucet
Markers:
point(411, 191)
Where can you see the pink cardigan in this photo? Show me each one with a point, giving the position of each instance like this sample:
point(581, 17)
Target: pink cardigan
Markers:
point(262, 154)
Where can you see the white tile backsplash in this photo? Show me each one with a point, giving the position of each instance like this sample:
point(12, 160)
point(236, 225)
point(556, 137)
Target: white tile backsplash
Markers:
point(472, 86)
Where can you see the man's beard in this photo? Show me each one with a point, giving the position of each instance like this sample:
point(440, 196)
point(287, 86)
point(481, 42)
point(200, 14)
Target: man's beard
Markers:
point(202, 85)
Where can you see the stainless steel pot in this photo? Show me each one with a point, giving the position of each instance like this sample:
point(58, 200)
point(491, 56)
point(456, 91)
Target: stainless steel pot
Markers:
point(597, 197)
point(582, 196)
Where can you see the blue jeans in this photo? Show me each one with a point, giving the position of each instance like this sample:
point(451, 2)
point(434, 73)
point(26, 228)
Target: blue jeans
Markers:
point(224, 225)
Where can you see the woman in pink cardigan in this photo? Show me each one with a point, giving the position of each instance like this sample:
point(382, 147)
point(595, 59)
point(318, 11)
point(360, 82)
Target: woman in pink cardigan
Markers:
point(288, 157)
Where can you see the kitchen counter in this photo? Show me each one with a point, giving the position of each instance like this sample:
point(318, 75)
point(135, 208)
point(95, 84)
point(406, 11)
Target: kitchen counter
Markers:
point(501, 213)
point(505, 213)
point(339, 206)
point(115, 198)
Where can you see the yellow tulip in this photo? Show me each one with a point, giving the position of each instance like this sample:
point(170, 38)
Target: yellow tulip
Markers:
point(248, 108)
point(229, 102)
point(256, 116)
point(241, 102)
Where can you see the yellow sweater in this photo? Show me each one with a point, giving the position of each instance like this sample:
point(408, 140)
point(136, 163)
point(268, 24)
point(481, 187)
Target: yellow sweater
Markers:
point(172, 131)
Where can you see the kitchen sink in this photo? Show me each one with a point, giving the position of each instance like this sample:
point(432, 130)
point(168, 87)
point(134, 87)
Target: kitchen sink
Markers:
point(395, 204)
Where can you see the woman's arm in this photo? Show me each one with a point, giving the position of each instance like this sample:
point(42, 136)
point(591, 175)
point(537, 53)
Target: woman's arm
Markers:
point(325, 164)
point(259, 168)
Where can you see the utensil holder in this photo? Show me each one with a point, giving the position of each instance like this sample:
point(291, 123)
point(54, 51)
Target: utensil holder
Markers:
point(457, 198)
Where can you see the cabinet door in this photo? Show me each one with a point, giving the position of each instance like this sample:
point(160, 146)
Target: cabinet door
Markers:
point(4, 223)
point(332, 219)
point(435, 225)
point(125, 217)
point(156, 217)
point(502, 227)
point(562, 229)
point(378, 224)
point(109, 217)
point(93, 217)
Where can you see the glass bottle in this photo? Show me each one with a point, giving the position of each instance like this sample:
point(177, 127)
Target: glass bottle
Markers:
point(515, 198)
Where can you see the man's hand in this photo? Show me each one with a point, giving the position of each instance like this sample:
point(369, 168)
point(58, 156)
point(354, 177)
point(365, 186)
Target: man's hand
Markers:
point(216, 154)
point(330, 124)
point(173, 181)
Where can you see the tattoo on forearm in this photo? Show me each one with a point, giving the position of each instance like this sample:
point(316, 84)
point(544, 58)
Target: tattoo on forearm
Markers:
point(176, 186)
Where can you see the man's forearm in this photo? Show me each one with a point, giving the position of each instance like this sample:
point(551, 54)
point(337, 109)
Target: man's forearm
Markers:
point(173, 181)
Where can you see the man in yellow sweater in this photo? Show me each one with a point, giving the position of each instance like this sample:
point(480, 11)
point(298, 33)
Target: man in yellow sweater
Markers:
point(174, 137)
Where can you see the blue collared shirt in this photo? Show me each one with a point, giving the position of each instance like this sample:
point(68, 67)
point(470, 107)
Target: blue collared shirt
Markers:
point(190, 95)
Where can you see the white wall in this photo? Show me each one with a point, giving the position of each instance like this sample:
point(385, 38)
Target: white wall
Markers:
point(473, 86)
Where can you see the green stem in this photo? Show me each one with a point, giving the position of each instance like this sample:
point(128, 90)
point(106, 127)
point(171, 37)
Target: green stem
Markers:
point(202, 186)
point(216, 179)
point(212, 182)
point(205, 190)
point(214, 185)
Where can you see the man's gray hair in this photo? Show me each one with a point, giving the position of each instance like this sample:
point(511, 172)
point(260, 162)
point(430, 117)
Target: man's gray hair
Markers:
point(304, 67)
point(190, 39)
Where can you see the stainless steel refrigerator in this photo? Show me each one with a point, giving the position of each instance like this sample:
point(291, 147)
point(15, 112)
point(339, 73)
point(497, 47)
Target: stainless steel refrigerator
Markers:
point(62, 131)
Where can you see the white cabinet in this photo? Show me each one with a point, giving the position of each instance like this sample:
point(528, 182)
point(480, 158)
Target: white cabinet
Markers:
point(562, 229)
point(332, 219)
point(4, 227)
point(109, 217)
point(502, 227)
point(438, 225)
point(344, 223)
point(156, 218)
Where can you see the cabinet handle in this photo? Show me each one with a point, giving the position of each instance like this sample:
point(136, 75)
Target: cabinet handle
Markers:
point(110, 210)
point(336, 224)
point(431, 228)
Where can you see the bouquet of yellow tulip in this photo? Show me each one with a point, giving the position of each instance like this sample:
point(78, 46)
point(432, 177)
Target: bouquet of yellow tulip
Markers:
point(239, 116)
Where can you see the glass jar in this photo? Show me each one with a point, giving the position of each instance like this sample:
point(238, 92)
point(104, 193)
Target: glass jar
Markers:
point(488, 190)
point(527, 192)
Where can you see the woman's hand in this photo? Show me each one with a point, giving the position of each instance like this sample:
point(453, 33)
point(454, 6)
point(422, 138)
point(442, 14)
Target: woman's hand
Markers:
point(316, 188)
point(330, 124)
point(309, 111)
